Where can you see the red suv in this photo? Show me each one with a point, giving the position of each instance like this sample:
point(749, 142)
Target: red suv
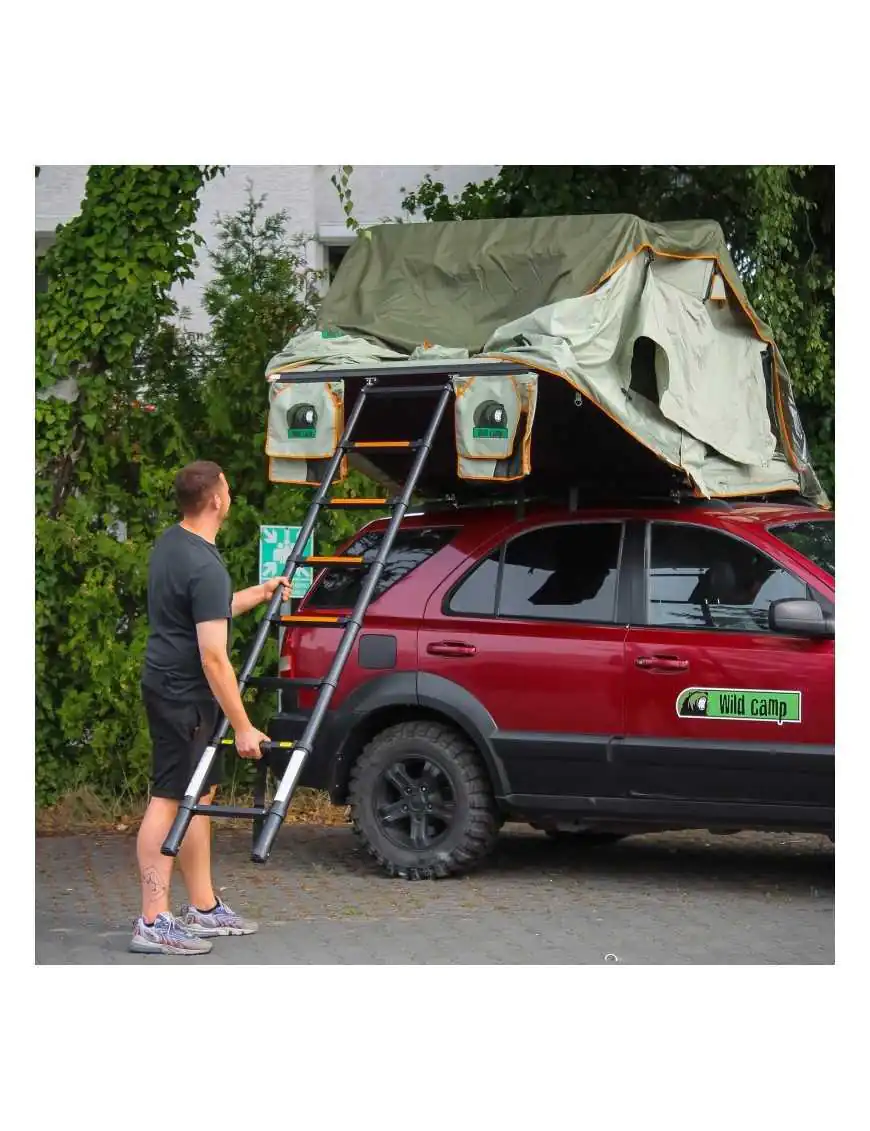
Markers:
point(592, 672)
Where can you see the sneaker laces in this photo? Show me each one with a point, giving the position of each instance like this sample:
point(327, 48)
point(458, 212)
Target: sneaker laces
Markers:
point(173, 930)
point(180, 931)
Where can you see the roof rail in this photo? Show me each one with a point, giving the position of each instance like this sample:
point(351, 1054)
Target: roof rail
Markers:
point(374, 374)
point(575, 501)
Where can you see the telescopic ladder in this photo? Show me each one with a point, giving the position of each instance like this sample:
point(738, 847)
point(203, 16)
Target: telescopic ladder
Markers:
point(377, 384)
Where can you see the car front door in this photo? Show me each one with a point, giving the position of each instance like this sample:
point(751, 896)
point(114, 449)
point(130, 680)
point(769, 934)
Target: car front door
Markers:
point(531, 633)
point(718, 707)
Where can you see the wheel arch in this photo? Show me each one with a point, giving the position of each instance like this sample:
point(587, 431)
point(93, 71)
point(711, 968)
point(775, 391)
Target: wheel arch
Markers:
point(432, 698)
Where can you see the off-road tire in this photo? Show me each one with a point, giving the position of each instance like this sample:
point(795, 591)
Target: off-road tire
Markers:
point(473, 831)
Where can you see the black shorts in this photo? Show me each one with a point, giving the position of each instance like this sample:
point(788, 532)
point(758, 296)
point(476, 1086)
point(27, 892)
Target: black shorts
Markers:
point(180, 731)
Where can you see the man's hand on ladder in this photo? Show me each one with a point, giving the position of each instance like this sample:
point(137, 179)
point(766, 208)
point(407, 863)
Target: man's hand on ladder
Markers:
point(271, 585)
point(248, 743)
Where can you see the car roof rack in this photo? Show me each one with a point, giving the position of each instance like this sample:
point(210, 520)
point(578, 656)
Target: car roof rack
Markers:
point(374, 375)
point(575, 501)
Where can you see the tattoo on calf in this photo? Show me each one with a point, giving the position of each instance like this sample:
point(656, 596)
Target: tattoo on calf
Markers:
point(151, 880)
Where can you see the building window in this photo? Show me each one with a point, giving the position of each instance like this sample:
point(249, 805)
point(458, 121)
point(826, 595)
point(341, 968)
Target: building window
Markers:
point(335, 253)
point(333, 243)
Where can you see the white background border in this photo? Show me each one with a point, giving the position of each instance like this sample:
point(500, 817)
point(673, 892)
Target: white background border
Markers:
point(424, 1047)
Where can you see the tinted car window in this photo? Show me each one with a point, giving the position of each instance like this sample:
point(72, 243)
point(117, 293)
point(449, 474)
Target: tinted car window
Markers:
point(475, 596)
point(562, 573)
point(815, 540)
point(340, 588)
point(699, 578)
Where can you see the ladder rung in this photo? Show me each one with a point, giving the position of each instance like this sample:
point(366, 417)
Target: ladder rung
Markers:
point(301, 618)
point(356, 445)
point(336, 560)
point(280, 683)
point(265, 746)
point(230, 810)
point(356, 503)
point(300, 716)
point(403, 390)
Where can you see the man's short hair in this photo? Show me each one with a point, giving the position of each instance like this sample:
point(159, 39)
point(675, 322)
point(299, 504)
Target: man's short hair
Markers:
point(194, 484)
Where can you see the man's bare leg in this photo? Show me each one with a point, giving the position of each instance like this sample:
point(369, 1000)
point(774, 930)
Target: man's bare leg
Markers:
point(155, 875)
point(194, 859)
point(206, 917)
point(155, 870)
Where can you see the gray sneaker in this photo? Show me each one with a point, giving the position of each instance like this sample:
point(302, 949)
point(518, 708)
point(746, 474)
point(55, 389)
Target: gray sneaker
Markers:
point(222, 921)
point(166, 936)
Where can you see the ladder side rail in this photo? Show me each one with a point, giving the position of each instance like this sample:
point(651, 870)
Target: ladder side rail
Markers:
point(284, 792)
point(187, 806)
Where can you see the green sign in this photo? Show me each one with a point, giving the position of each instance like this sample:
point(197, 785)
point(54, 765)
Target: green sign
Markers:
point(276, 544)
point(740, 704)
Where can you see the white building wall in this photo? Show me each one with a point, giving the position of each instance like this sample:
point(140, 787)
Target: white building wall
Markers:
point(304, 191)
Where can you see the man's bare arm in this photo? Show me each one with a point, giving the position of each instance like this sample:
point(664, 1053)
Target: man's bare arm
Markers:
point(212, 638)
point(247, 599)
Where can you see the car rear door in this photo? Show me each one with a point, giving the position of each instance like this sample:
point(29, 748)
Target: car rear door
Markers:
point(532, 633)
point(718, 707)
point(386, 645)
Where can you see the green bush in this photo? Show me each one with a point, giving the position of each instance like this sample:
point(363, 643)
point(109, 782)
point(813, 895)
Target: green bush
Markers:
point(150, 397)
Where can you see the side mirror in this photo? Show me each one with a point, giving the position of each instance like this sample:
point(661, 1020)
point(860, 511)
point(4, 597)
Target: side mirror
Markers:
point(800, 618)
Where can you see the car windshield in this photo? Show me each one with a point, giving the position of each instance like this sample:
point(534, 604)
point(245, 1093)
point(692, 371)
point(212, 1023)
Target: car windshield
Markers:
point(815, 540)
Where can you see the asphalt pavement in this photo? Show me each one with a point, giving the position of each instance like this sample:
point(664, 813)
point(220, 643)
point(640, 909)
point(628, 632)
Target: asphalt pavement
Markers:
point(672, 898)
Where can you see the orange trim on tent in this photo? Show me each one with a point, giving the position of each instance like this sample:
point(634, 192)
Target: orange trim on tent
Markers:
point(557, 373)
point(746, 310)
point(338, 419)
point(607, 413)
point(340, 475)
point(292, 365)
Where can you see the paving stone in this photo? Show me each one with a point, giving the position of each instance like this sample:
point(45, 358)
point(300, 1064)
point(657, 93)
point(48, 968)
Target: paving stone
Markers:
point(673, 898)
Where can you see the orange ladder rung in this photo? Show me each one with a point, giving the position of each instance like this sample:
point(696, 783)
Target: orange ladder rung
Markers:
point(300, 618)
point(357, 502)
point(320, 560)
point(383, 443)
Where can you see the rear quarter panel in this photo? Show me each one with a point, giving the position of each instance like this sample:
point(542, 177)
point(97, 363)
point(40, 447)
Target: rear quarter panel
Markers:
point(396, 613)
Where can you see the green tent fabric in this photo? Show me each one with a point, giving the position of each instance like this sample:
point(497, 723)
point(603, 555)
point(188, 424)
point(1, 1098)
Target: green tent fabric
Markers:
point(456, 282)
point(649, 322)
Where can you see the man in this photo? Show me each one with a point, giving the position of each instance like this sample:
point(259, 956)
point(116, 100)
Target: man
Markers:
point(187, 680)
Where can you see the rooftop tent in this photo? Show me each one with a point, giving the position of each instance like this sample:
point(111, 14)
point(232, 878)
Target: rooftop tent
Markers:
point(652, 368)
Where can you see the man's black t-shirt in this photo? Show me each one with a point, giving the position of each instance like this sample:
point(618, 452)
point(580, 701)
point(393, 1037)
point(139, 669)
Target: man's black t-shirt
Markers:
point(188, 583)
